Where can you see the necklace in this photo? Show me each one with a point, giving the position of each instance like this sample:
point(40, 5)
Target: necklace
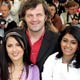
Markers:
point(16, 74)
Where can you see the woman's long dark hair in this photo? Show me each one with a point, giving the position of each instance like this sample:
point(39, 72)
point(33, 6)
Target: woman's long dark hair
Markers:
point(74, 31)
point(20, 36)
point(3, 65)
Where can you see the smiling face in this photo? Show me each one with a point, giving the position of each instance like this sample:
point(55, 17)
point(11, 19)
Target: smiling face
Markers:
point(35, 18)
point(69, 45)
point(14, 49)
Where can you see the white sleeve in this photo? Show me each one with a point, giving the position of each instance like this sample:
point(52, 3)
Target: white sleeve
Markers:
point(15, 7)
point(48, 68)
point(61, 16)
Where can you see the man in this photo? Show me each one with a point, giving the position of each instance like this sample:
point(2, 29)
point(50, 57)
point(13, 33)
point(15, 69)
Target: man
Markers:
point(6, 22)
point(42, 40)
point(68, 17)
point(5, 10)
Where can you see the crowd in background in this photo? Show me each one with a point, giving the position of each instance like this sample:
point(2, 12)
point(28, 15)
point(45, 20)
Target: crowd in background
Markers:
point(62, 8)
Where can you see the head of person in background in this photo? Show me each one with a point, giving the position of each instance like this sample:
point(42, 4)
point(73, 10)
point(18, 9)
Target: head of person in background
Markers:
point(75, 21)
point(55, 19)
point(17, 53)
point(71, 7)
point(69, 46)
point(5, 8)
point(36, 13)
point(57, 4)
point(52, 9)
point(68, 17)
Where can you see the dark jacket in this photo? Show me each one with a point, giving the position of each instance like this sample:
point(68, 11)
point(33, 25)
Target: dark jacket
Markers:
point(11, 25)
point(48, 47)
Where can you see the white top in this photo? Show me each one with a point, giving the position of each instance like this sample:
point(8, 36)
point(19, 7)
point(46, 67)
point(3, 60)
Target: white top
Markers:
point(54, 69)
point(15, 10)
point(8, 20)
point(63, 17)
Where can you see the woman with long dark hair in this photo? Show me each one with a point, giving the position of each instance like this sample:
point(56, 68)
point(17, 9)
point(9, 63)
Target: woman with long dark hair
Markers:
point(65, 64)
point(17, 54)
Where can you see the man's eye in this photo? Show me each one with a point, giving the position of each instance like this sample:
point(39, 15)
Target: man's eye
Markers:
point(39, 14)
point(29, 16)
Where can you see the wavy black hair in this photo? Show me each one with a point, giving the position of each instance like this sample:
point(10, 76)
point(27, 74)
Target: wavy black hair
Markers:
point(74, 31)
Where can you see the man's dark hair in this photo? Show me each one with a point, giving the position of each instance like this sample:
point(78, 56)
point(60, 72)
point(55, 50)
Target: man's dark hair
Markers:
point(31, 4)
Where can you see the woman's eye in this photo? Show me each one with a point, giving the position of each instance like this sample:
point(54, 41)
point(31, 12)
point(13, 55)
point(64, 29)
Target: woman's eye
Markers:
point(64, 40)
point(73, 42)
point(10, 45)
point(17, 44)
